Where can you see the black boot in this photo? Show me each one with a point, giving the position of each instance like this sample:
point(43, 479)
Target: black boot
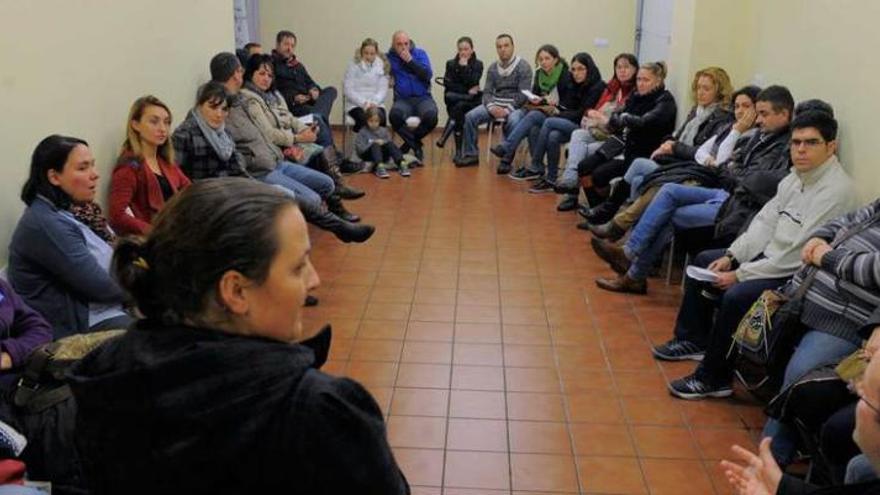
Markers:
point(348, 192)
point(458, 138)
point(334, 204)
point(447, 131)
point(344, 231)
point(606, 211)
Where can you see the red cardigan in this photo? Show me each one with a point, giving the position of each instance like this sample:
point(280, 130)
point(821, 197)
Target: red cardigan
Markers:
point(134, 186)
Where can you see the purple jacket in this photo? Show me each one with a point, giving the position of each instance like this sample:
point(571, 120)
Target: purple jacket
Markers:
point(21, 329)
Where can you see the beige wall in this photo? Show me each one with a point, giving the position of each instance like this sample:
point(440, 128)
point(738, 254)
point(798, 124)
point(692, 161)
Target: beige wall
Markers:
point(329, 31)
point(74, 67)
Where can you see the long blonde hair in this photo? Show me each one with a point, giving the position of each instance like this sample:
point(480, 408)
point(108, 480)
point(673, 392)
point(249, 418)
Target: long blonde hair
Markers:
point(386, 66)
point(132, 143)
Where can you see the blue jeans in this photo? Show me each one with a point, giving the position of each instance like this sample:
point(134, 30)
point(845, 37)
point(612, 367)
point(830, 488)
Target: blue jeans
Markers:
point(308, 186)
point(859, 470)
point(554, 132)
point(581, 144)
point(675, 207)
point(814, 350)
point(635, 174)
point(523, 125)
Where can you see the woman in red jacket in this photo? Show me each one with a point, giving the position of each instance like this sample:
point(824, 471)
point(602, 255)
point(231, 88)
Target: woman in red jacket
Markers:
point(145, 176)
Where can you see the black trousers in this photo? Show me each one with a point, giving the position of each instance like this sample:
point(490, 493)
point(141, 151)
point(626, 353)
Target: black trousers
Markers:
point(459, 104)
point(379, 154)
point(601, 169)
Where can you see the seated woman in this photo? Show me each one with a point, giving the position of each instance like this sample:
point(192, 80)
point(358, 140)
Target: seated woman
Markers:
point(145, 176)
point(220, 381)
point(461, 93)
point(589, 137)
point(710, 117)
point(299, 141)
point(637, 129)
point(576, 93)
point(23, 330)
point(527, 121)
point(366, 83)
point(59, 259)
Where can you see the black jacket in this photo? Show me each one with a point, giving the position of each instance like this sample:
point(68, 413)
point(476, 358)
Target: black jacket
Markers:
point(789, 485)
point(460, 78)
point(644, 122)
point(185, 410)
point(291, 81)
point(575, 99)
point(718, 121)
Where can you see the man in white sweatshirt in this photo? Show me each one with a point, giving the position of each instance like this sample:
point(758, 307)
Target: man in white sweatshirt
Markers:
point(765, 256)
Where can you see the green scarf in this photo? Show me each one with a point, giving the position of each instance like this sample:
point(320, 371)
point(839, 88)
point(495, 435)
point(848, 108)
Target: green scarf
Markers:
point(546, 82)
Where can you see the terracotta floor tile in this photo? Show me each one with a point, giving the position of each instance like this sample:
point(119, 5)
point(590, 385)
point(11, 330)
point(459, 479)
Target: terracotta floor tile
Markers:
point(343, 328)
point(430, 331)
point(715, 443)
point(530, 356)
point(386, 311)
point(477, 470)
point(652, 411)
point(668, 442)
point(474, 281)
point(678, 477)
point(526, 334)
point(423, 375)
point(595, 407)
point(477, 404)
point(445, 279)
point(483, 333)
point(356, 277)
point(478, 354)
point(426, 352)
point(577, 381)
point(392, 295)
point(711, 412)
point(373, 373)
point(382, 329)
point(539, 438)
point(535, 407)
point(382, 396)
point(396, 279)
point(433, 312)
point(421, 466)
point(477, 434)
point(595, 439)
point(477, 378)
point(478, 297)
point(435, 296)
point(416, 432)
point(641, 383)
point(544, 472)
point(340, 349)
point(523, 315)
point(611, 475)
point(470, 313)
point(376, 350)
point(531, 379)
point(419, 402)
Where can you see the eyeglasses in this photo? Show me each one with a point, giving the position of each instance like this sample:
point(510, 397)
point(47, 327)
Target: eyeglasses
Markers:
point(808, 143)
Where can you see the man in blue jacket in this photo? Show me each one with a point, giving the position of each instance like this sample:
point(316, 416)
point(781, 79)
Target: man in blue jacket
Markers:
point(411, 70)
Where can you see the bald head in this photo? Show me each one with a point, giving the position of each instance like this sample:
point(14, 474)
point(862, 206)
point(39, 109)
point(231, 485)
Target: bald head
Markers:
point(400, 41)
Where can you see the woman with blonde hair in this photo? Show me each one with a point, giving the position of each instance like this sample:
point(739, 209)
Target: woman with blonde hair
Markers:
point(366, 83)
point(145, 176)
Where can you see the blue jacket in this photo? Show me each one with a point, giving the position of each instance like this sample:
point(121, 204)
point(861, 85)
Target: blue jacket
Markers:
point(51, 268)
point(413, 79)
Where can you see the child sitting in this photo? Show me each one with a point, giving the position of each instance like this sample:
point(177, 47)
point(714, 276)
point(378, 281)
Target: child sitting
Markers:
point(373, 143)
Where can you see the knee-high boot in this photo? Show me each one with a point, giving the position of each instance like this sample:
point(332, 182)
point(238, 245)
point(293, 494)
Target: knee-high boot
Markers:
point(447, 131)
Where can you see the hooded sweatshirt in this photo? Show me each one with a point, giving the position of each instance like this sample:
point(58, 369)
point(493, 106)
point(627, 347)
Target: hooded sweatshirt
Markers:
point(411, 79)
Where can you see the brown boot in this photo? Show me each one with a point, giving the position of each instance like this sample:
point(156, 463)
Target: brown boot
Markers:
point(612, 254)
point(608, 230)
point(623, 283)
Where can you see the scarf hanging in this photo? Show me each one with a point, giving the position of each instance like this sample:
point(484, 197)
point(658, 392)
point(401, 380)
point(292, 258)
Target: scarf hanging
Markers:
point(90, 215)
point(689, 132)
point(507, 71)
point(548, 81)
point(219, 139)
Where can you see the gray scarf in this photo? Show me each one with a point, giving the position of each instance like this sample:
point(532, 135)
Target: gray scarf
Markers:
point(692, 127)
point(219, 139)
point(270, 97)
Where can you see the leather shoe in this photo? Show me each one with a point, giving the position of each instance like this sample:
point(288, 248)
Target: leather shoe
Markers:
point(467, 161)
point(623, 283)
point(584, 211)
point(602, 213)
point(347, 192)
point(504, 168)
point(608, 230)
point(568, 203)
point(612, 254)
point(498, 150)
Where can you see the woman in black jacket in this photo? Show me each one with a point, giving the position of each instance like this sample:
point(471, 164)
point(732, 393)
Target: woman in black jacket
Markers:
point(638, 129)
point(218, 389)
point(462, 89)
point(580, 90)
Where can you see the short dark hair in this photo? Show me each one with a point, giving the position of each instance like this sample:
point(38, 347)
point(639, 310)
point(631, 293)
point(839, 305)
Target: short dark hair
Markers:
point(50, 154)
point(814, 104)
point(212, 91)
point(223, 66)
point(751, 92)
point(505, 35)
point(252, 44)
point(465, 39)
point(284, 34)
point(211, 227)
point(256, 61)
point(820, 120)
point(779, 98)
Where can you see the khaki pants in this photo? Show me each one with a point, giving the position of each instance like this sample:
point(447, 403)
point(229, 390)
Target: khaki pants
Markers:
point(628, 216)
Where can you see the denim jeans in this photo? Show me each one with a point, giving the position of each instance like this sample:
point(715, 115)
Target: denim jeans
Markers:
point(675, 207)
point(580, 145)
point(523, 125)
point(472, 121)
point(308, 186)
point(325, 133)
point(422, 107)
point(638, 169)
point(859, 470)
point(815, 349)
point(554, 132)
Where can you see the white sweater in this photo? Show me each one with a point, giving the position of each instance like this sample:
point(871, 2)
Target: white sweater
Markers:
point(365, 83)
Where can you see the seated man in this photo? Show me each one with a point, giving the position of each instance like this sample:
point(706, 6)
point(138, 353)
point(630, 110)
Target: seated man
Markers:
point(505, 81)
point(679, 206)
point(302, 94)
point(764, 257)
point(411, 71)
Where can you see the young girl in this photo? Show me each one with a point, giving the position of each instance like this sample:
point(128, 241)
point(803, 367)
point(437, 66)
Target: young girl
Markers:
point(373, 143)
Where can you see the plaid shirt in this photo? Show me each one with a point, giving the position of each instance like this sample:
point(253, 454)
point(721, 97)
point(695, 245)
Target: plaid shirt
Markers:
point(197, 157)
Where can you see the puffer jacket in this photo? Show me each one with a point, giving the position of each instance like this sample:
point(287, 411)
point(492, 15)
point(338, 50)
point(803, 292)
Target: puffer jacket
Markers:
point(644, 122)
point(365, 83)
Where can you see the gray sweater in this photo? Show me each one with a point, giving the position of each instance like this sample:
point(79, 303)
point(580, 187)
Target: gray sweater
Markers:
point(506, 91)
point(802, 203)
point(366, 136)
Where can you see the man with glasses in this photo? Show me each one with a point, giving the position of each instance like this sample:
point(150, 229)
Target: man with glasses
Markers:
point(769, 252)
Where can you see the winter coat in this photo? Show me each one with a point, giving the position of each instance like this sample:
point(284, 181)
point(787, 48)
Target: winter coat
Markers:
point(197, 157)
point(411, 79)
point(135, 194)
point(365, 83)
point(461, 78)
point(22, 330)
point(291, 78)
point(574, 98)
point(260, 155)
point(275, 121)
point(644, 122)
point(170, 409)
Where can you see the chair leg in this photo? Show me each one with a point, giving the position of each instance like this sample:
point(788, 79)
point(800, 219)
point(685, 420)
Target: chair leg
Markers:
point(671, 260)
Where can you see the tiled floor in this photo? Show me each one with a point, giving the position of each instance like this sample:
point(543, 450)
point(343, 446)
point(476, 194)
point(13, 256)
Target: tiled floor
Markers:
point(473, 318)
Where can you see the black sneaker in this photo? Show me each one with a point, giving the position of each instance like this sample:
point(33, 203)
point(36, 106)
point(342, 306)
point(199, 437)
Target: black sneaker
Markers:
point(542, 186)
point(503, 168)
point(678, 350)
point(499, 150)
point(524, 174)
point(568, 203)
point(420, 155)
point(693, 387)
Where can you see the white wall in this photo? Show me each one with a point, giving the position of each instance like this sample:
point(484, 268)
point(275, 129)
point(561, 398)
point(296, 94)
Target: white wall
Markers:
point(74, 67)
point(328, 31)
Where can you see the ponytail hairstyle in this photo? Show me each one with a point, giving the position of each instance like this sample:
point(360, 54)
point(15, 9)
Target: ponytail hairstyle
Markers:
point(208, 229)
point(656, 68)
